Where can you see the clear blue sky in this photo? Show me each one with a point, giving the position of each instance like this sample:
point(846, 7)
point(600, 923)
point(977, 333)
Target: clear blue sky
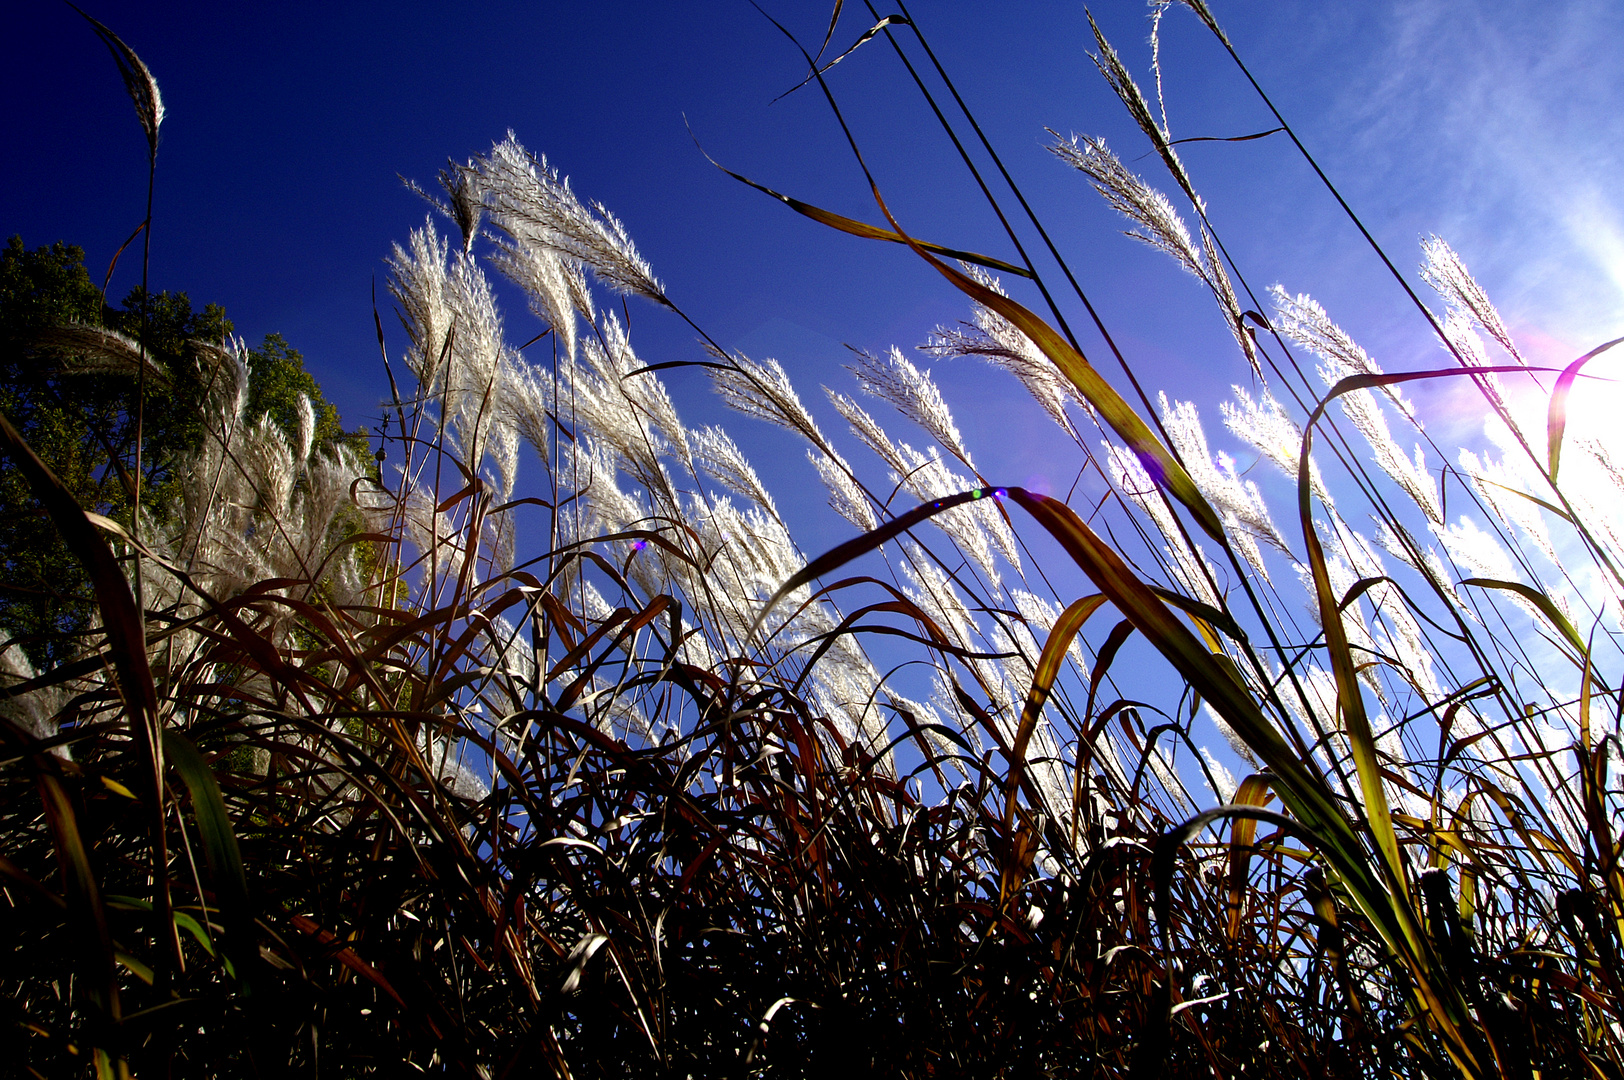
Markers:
point(1496, 125)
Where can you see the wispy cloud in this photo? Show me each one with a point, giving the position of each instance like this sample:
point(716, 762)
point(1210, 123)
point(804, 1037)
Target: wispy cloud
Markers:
point(1506, 114)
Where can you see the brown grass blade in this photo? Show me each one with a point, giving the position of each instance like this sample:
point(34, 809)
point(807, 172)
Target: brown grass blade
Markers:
point(873, 232)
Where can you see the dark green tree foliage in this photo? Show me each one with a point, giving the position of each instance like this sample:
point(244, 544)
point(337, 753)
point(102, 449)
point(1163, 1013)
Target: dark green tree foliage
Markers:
point(277, 379)
point(80, 419)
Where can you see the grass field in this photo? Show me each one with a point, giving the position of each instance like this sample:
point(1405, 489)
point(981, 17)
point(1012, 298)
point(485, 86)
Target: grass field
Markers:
point(544, 749)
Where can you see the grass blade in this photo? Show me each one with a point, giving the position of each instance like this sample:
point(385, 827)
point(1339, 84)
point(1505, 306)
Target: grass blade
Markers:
point(1556, 420)
point(220, 850)
point(872, 232)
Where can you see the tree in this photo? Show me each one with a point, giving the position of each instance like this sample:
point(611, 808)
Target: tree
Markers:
point(68, 377)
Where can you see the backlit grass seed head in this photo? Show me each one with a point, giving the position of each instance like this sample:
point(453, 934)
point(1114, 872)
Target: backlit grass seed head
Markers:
point(1411, 475)
point(1042, 614)
point(1237, 501)
point(1189, 569)
point(639, 402)
point(534, 205)
point(36, 711)
point(896, 380)
point(552, 285)
point(975, 527)
point(1223, 290)
point(138, 82)
point(995, 339)
point(1305, 322)
point(1230, 736)
point(1223, 781)
point(417, 280)
point(1460, 332)
point(1445, 272)
point(1160, 225)
point(761, 389)
point(846, 498)
point(1501, 489)
point(86, 349)
point(526, 402)
point(868, 431)
point(720, 456)
point(1133, 99)
point(1264, 424)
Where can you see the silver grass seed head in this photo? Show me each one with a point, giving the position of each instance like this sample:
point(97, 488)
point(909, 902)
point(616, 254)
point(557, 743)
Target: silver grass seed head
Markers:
point(466, 202)
point(138, 82)
point(846, 498)
point(1305, 322)
point(1223, 291)
point(868, 431)
point(1446, 273)
point(999, 342)
point(527, 401)
point(1204, 13)
point(533, 204)
point(1160, 225)
point(1127, 91)
point(418, 282)
point(761, 389)
point(896, 380)
point(86, 349)
point(550, 284)
point(720, 456)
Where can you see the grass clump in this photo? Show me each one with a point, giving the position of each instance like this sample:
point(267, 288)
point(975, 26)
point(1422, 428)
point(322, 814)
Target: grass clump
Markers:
point(586, 768)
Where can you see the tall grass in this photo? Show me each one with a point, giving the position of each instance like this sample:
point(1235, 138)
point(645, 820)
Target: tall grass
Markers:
point(547, 751)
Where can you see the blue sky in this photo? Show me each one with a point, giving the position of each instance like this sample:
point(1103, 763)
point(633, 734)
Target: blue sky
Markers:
point(1492, 125)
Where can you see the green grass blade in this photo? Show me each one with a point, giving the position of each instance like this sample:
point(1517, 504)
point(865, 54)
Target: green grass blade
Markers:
point(220, 850)
point(1546, 606)
point(1158, 461)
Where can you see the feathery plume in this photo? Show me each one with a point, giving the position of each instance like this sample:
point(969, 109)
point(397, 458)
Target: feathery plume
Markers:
point(85, 349)
point(1159, 224)
point(868, 431)
point(1305, 322)
point(1223, 290)
point(1446, 273)
point(720, 456)
point(138, 82)
point(762, 389)
point(846, 498)
point(1238, 501)
point(896, 380)
point(996, 340)
point(1117, 76)
point(534, 205)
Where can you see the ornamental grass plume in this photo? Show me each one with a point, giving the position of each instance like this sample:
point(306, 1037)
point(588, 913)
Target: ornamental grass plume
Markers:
point(545, 749)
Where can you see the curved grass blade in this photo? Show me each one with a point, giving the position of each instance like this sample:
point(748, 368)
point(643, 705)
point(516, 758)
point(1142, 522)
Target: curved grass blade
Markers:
point(1253, 791)
point(125, 628)
point(1061, 635)
point(1556, 420)
point(1350, 700)
point(1157, 460)
point(220, 850)
point(1546, 607)
point(82, 893)
point(867, 36)
point(872, 232)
